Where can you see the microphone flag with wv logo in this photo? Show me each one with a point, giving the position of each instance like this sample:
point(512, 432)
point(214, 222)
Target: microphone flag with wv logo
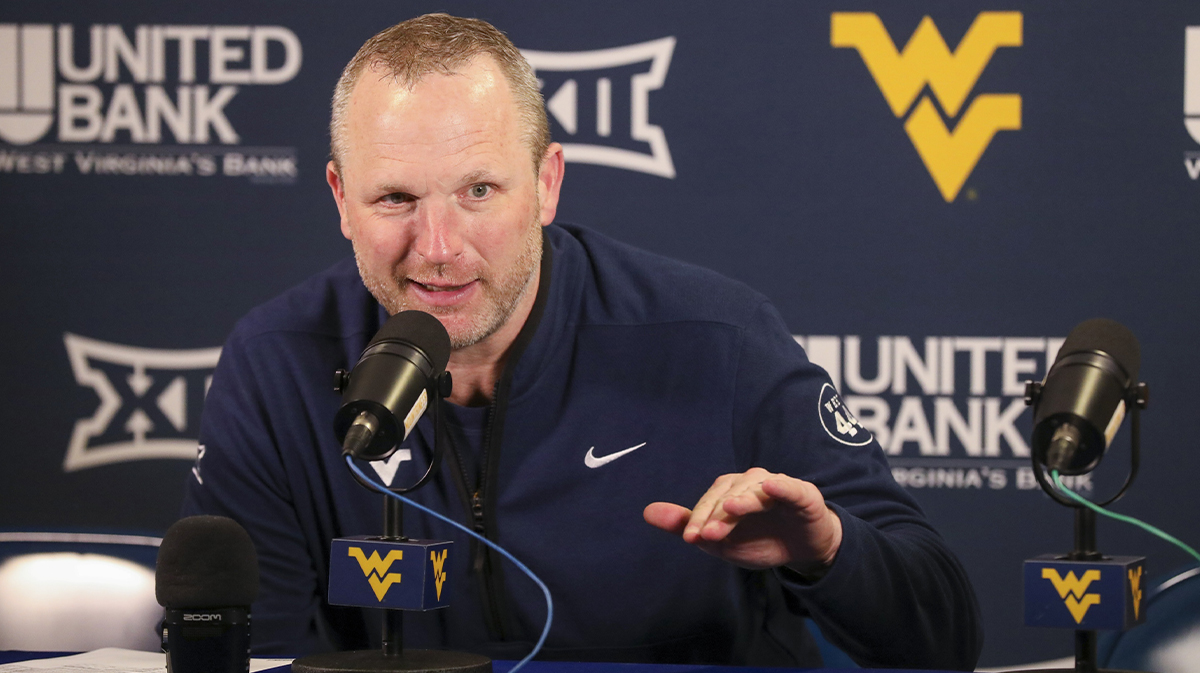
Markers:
point(1089, 595)
point(926, 61)
point(370, 572)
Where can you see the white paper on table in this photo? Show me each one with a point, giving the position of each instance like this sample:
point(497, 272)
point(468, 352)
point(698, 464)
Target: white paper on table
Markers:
point(115, 660)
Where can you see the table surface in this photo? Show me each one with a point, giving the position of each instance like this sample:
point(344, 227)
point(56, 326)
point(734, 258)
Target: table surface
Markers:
point(558, 666)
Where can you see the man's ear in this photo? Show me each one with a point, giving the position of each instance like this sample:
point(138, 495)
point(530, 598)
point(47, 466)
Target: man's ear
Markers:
point(339, 194)
point(550, 177)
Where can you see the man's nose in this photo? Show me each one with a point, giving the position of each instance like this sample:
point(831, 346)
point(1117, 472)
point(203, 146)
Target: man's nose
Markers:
point(439, 235)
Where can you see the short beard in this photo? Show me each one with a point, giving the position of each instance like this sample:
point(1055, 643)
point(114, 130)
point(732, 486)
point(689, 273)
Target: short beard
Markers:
point(501, 296)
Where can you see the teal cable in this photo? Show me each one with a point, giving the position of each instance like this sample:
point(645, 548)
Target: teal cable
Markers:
point(1121, 517)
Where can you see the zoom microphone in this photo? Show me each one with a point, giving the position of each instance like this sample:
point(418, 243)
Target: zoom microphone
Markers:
point(206, 578)
point(387, 391)
point(1082, 401)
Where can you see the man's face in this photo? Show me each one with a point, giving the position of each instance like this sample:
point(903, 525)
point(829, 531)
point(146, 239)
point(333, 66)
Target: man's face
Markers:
point(440, 198)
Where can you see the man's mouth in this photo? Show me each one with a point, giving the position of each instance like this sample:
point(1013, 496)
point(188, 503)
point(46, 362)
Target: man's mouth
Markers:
point(440, 288)
point(442, 293)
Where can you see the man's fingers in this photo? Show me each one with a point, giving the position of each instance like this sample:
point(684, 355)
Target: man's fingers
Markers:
point(800, 495)
point(667, 516)
point(741, 495)
point(731, 498)
point(705, 507)
point(757, 520)
point(746, 498)
point(750, 500)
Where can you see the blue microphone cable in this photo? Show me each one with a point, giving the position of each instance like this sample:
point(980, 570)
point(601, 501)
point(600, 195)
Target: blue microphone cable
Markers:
point(503, 552)
point(1120, 517)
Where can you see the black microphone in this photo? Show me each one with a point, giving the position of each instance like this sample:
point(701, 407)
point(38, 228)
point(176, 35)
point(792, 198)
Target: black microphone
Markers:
point(1082, 401)
point(386, 392)
point(206, 578)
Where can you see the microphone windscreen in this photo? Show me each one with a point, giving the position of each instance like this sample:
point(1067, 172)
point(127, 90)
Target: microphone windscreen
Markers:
point(421, 330)
point(1106, 336)
point(206, 562)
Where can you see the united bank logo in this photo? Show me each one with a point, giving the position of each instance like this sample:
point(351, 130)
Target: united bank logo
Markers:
point(1073, 591)
point(26, 82)
point(601, 100)
point(375, 569)
point(163, 92)
point(939, 82)
point(949, 411)
point(1191, 98)
point(150, 401)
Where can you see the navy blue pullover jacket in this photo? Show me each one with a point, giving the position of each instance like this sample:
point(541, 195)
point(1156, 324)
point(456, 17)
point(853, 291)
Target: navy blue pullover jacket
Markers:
point(622, 348)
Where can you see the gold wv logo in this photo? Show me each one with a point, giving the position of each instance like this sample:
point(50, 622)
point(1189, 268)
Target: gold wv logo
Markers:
point(1135, 588)
point(376, 569)
point(1071, 589)
point(439, 575)
point(950, 156)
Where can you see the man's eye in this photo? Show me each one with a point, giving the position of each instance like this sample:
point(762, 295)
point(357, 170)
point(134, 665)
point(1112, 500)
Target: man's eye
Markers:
point(480, 191)
point(397, 198)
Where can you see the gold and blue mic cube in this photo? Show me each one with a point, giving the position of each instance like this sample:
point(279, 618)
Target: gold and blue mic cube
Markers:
point(1106, 594)
point(373, 573)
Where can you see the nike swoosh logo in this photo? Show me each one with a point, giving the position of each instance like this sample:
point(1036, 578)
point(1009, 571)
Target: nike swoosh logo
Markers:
point(593, 462)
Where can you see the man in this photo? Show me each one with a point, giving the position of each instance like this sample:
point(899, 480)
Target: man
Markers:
point(594, 385)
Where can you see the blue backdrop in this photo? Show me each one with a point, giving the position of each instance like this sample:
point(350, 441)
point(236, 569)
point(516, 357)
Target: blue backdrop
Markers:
point(932, 193)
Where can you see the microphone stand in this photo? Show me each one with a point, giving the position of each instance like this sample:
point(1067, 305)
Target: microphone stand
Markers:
point(393, 530)
point(1085, 522)
point(1085, 550)
point(392, 656)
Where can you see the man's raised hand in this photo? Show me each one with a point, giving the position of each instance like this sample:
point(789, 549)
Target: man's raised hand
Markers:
point(757, 520)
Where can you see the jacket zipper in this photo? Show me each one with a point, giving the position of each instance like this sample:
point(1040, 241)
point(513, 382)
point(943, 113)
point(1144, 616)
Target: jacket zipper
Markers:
point(477, 511)
point(471, 491)
point(484, 563)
